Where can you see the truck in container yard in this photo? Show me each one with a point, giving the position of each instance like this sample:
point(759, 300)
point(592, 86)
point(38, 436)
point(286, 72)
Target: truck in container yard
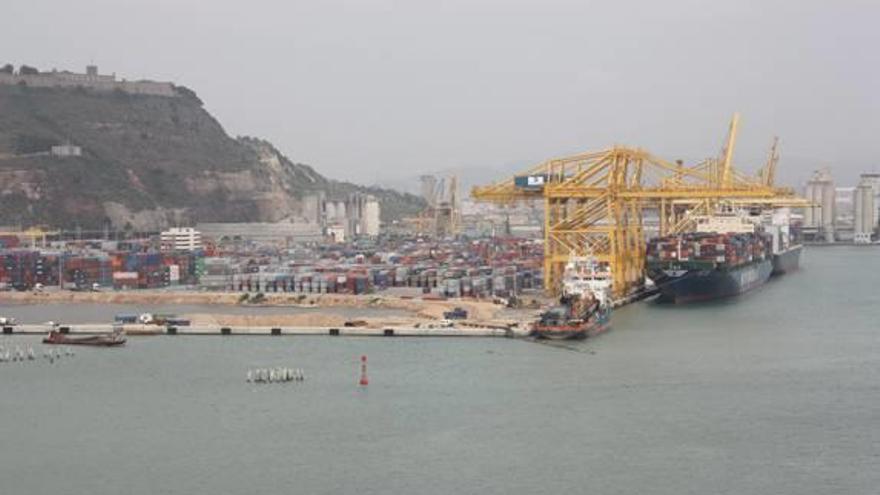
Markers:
point(126, 319)
point(456, 313)
point(151, 319)
point(729, 254)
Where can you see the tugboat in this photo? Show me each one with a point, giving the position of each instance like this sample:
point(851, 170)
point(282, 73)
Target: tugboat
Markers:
point(584, 308)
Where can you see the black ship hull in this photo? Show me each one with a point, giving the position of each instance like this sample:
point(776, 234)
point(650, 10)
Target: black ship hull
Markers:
point(685, 286)
point(787, 261)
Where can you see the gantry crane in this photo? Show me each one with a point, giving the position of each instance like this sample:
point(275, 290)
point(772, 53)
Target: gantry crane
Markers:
point(595, 203)
point(33, 234)
point(442, 217)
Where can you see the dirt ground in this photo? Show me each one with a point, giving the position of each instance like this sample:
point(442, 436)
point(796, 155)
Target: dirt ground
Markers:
point(420, 310)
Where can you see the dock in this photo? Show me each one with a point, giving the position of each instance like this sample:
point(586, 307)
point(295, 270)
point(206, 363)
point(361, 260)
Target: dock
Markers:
point(337, 331)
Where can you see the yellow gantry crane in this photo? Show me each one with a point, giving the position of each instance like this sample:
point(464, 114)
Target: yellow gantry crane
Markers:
point(33, 234)
point(595, 203)
point(442, 217)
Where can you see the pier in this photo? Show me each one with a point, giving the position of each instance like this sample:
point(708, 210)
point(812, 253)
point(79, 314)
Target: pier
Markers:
point(341, 331)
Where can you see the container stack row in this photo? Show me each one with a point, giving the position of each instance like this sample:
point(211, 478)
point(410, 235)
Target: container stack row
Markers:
point(708, 250)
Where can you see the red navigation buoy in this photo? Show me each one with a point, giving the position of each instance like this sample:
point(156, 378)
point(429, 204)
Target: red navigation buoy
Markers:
point(364, 381)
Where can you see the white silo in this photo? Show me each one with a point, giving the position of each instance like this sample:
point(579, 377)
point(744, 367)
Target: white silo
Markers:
point(869, 219)
point(828, 209)
point(341, 211)
point(330, 212)
point(873, 179)
point(809, 218)
point(429, 189)
point(820, 192)
point(813, 194)
point(858, 213)
point(371, 216)
point(864, 212)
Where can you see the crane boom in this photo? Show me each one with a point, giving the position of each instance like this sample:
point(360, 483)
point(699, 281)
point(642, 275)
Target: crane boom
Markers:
point(727, 154)
point(595, 203)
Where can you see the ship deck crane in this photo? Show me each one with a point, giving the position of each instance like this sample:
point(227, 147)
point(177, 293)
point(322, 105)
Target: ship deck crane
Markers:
point(595, 203)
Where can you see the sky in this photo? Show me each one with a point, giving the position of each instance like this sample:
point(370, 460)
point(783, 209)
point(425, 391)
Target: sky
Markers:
point(378, 92)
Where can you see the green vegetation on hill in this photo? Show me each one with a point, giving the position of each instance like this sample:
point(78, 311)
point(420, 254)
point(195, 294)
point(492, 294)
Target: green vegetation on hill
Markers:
point(146, 161)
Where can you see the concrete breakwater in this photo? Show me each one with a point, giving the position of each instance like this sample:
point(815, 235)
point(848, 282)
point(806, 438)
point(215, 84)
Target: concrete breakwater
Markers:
point(147, 330)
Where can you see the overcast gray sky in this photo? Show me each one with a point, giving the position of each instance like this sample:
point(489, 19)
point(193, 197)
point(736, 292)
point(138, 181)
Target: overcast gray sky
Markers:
point(373, 91)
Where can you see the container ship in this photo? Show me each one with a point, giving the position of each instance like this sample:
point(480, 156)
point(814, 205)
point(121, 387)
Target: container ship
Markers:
point(727, 255)
point(584, 308)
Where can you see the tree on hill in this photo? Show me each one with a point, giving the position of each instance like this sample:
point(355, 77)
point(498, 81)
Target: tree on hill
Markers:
point(27, 70)
point(26, 143)
point(188, 93)
point(7, 69)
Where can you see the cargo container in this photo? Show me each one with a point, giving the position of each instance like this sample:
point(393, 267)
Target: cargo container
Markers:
point(125, 280)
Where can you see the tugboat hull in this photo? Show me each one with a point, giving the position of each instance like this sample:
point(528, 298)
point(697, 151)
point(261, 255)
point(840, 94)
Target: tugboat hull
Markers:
point(92, 340)
point(574, 331)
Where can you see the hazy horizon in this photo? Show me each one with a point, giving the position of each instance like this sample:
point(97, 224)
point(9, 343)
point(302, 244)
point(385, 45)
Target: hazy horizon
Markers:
point(378, 92)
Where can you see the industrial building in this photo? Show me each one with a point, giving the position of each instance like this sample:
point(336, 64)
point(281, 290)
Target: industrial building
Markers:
point(181, 239)
point(842, 214)
point(336, 233)
point(357, 215)
point(65, 150)
point(515, 220)
point(864, 218)
point(442, 217)
point(844, 209)
point(819, 216)
point(262, 232)
point(872, 180)
point(360, 215)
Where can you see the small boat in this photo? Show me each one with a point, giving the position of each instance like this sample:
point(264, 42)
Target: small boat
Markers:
point(114, 339)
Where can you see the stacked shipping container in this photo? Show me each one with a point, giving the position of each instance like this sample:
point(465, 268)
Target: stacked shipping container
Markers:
point(708, 250)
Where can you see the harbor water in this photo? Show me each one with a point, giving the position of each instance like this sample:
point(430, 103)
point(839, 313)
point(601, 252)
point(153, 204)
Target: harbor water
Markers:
point(776, 392)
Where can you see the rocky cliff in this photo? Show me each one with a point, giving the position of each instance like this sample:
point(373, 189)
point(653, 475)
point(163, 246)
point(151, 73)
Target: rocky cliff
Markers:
point(146, 162)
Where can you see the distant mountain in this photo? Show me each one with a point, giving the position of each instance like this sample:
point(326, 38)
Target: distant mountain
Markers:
point(146, 161)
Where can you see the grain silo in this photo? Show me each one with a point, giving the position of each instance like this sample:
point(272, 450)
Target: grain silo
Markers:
point(864, 212)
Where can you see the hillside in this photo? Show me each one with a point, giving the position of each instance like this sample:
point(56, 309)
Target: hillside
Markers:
point(147, 162)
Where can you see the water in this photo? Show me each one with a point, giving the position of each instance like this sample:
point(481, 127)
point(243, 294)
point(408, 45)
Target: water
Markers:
point(778, 392)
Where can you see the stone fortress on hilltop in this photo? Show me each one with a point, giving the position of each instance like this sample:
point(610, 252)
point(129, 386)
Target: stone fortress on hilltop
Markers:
point(95, 151)
point(29, 76)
